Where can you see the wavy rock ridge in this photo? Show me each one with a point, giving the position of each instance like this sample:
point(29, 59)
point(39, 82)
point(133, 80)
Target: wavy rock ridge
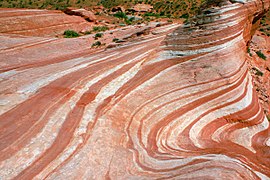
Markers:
point(184, 109)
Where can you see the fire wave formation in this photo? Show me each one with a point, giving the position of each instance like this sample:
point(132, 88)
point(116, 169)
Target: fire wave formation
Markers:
point(175, 106)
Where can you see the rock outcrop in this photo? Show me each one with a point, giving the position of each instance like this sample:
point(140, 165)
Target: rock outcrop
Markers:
point(36, 22)
point(141, 8)
point(260, 68)
point(87, 15)
point(181, 106)
point(98, 9)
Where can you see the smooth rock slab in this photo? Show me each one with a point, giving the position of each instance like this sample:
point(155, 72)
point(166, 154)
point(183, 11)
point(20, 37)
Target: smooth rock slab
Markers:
point(140, 111)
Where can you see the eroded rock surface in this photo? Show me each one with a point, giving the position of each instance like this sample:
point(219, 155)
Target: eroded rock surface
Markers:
point(36, 22)
point(142, 8)
point(260, 68)
point(87, 15)
point(181, 106)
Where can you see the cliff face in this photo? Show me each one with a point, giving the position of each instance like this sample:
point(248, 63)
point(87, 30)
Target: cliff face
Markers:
point(178, 106)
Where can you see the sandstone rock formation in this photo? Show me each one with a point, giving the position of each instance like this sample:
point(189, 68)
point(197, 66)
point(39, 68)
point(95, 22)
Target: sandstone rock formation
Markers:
point(141, 8)
point(35, 22)
point(87, 15)
point(98, 9)
point(260, 68)
point(180, 106)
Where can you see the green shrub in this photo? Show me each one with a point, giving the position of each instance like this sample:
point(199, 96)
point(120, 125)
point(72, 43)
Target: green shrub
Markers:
point(115, 40)
point(98, 35)
point(96, 44)
point(258, 72)
point(263, 21)
point(248, 51)
point(100, 28)
point(70, 34)
point(151, 14)
point(120, 15)
point(261, 55)
point(88, 32)
point(185, 16)
point(128, 22)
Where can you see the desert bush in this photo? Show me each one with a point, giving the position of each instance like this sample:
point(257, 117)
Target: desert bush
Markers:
point(70, 34)
point(185, 16)
point(152, 14)
point(120, 15)
point(115, 40)
point(96, 44)
point(258, 72)
point(249, 52)
point(98, 35)
point(88, 32)
point(122, 24)
point(100, 28)
point(128, 22)
point(261, 55)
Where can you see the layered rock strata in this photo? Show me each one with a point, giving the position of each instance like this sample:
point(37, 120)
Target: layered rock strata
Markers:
point(36, 22)
point(180, 106)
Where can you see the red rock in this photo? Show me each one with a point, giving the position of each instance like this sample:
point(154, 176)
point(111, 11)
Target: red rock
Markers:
point(142, 8)
point(48, 23)
point(87, 15)
point(261, 43)
point(180, 106)
point(98, 9)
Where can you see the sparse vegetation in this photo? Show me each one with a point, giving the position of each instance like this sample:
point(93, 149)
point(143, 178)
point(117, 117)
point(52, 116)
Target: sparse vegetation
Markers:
point(261, 55)
point(122, 24)
point(98, 35)
point(87, 32)
point(100, 28)
point(171, 9)
point(96, 44)
point(71, 34)
point(121, 15)
point(258, 72)
point(264, 24)
point(185, 16)
point(152, 14)
point(128, 22)
point(115, 40)
point(248, 51)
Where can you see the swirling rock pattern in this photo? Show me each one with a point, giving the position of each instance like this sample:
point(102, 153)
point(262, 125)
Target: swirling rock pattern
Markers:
point(180, 106)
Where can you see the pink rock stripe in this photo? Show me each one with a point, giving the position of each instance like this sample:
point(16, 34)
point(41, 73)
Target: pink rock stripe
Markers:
point(175, 105)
